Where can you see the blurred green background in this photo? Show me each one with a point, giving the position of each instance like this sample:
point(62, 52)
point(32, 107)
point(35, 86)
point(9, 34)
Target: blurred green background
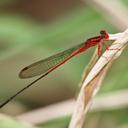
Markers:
point(32, 30)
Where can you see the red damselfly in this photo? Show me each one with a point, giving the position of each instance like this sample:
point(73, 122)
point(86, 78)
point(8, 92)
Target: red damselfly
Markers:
point(49, 64)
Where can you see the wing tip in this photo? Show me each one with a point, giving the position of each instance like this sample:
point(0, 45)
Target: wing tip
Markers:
point(21, 74)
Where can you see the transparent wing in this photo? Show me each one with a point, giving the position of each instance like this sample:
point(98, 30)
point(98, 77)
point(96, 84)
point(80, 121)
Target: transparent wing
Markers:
point(44, 66)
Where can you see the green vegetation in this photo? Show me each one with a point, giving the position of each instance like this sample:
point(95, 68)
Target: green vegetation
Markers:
point(24, 40)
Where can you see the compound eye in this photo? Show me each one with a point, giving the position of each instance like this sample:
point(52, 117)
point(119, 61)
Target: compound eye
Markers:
point(102, 32)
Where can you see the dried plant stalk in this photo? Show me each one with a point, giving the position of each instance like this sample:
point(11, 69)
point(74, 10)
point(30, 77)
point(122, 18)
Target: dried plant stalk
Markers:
point(94, 78)
point(87, 94)
point(88, 67)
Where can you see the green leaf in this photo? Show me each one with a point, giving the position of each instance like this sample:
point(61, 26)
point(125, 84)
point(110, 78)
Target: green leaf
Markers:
point(8, 122)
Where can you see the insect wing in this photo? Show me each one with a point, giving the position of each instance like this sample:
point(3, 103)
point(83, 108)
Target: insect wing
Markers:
point(43, 66)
